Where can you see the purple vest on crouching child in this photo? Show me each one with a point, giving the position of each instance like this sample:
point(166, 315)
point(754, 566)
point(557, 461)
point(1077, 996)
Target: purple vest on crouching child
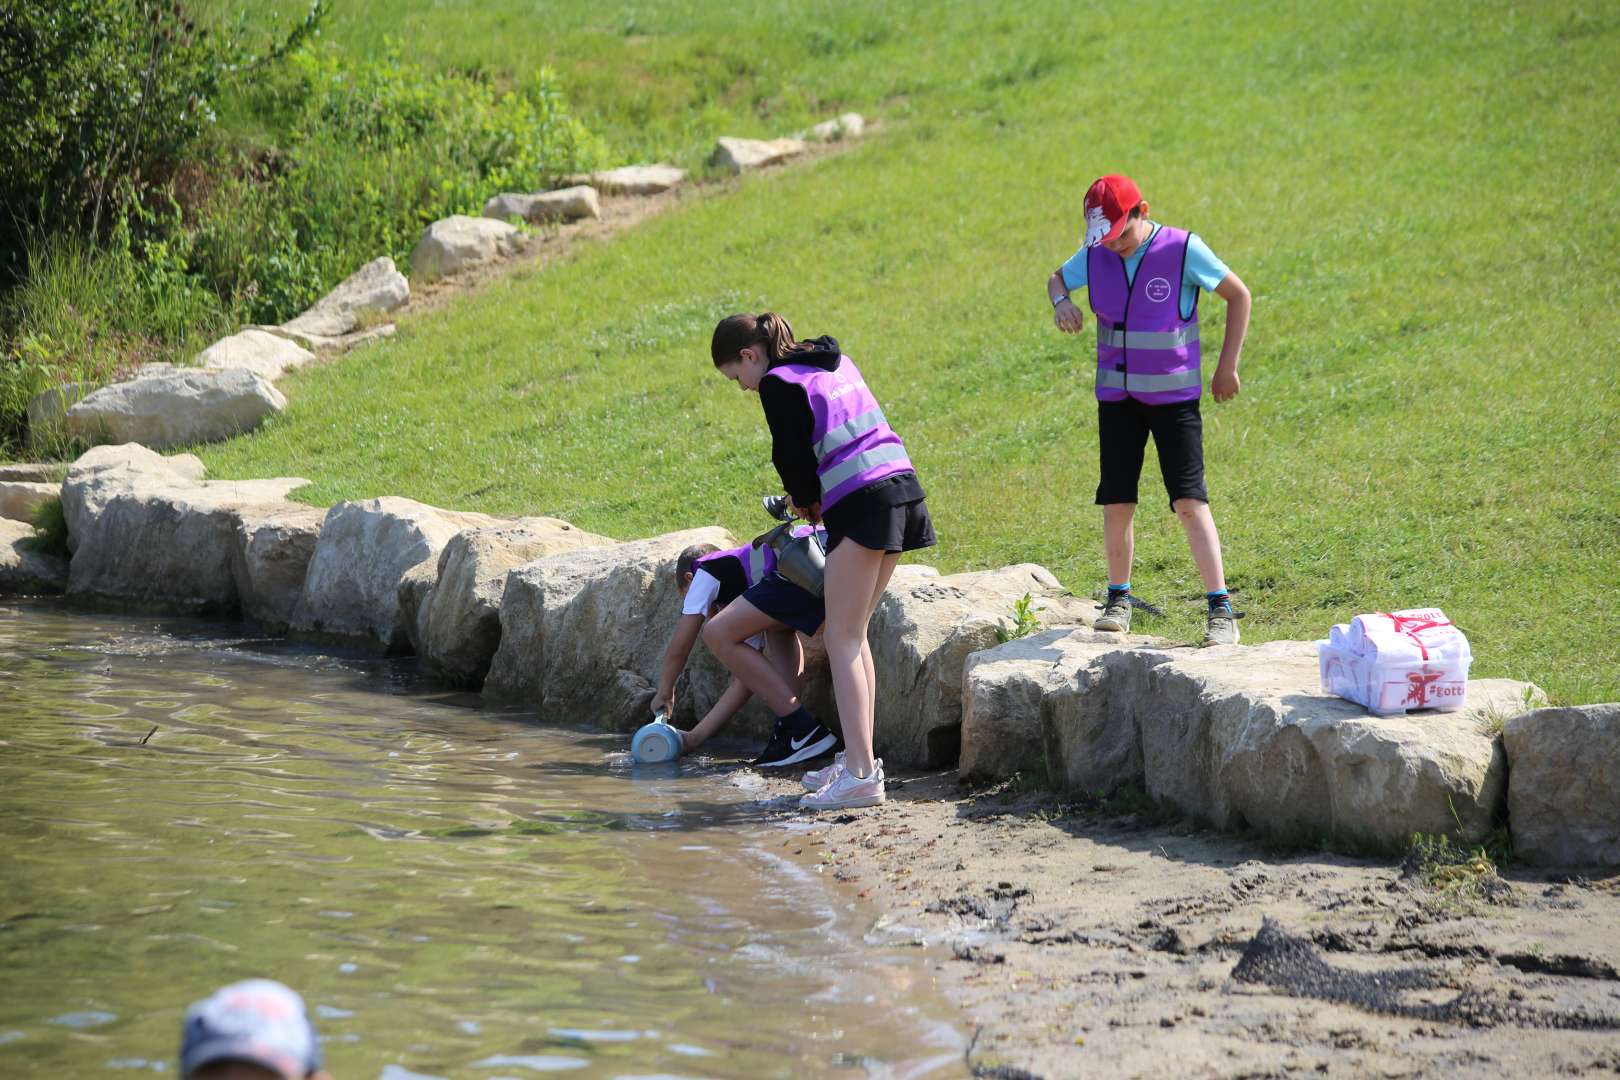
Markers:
point(1145, 349)
point(854, 444)
point(756, 562)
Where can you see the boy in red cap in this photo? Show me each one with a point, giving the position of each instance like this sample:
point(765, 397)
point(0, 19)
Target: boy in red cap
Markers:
point(1142, 281)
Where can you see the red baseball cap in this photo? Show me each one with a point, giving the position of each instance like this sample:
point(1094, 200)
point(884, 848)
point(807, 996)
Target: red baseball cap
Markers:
point(1109, 203)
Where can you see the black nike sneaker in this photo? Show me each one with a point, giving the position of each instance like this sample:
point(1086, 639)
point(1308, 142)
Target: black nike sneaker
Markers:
point(792, 743)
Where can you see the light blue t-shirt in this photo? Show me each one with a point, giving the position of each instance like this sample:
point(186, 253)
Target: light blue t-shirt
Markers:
point(1204, 270)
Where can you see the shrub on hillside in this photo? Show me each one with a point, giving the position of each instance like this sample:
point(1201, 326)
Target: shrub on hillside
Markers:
point(372, 151)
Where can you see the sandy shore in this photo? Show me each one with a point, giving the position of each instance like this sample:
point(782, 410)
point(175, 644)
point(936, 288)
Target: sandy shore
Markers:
point(1096, 942)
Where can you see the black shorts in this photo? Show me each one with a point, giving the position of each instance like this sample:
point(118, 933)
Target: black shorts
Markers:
point(892, 529)
point(788, 604)
point(1178, 434)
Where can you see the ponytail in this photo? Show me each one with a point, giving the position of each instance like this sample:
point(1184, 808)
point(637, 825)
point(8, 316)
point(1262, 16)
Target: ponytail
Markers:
point(737, 332)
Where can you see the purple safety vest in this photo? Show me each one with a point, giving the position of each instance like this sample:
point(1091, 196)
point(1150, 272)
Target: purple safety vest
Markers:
point(756, 562)
point(854, 444)
point(1145, 349)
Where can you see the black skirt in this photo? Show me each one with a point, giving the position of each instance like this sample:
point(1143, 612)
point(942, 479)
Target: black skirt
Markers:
point(890, 515)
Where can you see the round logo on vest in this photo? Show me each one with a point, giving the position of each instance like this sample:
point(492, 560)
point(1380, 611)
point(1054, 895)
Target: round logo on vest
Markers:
point(1158, 290)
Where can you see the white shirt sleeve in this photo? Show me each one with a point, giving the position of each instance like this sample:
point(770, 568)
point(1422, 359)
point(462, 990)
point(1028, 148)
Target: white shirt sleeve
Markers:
point(701, 594)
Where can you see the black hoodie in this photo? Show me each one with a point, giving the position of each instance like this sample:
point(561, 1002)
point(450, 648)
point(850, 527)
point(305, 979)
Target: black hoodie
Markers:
point(792, 424)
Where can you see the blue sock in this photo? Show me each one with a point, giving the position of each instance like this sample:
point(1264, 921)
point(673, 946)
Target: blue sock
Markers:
point(1120, 588)
point(1216, 599)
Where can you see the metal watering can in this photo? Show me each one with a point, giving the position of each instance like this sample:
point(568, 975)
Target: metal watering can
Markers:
point(800, 559)
point(656, 742)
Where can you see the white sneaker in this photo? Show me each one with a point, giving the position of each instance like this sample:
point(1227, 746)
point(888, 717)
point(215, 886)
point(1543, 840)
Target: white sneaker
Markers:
point(845, 791)
point(816, 779)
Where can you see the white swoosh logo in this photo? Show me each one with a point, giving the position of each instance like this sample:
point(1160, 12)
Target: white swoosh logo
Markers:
point(798, 744)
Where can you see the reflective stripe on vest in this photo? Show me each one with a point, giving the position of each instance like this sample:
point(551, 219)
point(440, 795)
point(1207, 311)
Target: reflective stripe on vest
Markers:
point(1149, 384)
point(848, 430)
point(756, 565)
point(860, 463)
point(1118, 338)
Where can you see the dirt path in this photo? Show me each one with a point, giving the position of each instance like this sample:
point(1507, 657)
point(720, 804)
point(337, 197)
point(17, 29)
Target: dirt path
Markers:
point(1089, 942)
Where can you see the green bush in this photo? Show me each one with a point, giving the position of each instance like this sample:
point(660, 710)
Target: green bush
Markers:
point(372, 151)
point(362, 155)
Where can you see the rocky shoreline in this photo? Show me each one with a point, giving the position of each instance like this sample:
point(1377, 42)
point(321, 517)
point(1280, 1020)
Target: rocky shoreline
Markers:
point(540, 615)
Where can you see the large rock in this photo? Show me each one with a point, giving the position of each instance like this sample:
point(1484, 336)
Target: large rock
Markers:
point(33, 473)
point(274, 543)
point(47, 412)
point(24, 570)
point(740, 155)
point(459, 243)
point(583, 632)
point(1088, 721)
point(564, 204)
point(638, 179)
point(21, 499)
point(1563, 800)
point(351, 589)
point(176, 408)
point(1003, 692)
point(1243, 738)
point(458, 624)
point(847, 126)
point(258, 351)
point(148, 531)
point(922, 633)
point(377, 286)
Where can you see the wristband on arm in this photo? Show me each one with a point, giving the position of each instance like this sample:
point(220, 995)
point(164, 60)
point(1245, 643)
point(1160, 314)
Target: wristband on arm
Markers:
point(1060, 300)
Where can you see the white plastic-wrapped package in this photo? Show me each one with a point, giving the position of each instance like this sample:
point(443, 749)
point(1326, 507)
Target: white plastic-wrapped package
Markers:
point(1397, 661)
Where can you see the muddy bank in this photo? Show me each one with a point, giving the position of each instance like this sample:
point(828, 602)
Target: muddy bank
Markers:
point(1087, 941)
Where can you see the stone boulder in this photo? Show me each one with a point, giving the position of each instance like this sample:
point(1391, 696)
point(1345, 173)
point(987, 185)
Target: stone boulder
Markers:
point(23, 570)
point(1091, 742)
point(847, 126)
point(638, 179)
point(740, 155)
point(377, 286)
point(1005, 688)
point(457, 626)
point(147, 531)
point(459, 243)
point(351, 589)
point(33, 473)
point(176, 408)
point(274, 543)
point(583, 632)
point(21, 499)
point(1563, 803)
point(262, 353)
point(47, 412)
point(564, 204)
point(1243, 738)
point(922, 633)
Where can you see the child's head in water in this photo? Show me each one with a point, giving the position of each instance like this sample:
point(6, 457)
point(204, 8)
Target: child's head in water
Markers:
point(686, 564)
point(252, 1030)
point(745, 346)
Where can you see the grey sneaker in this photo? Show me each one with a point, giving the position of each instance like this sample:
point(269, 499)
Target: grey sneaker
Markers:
point(1116, 614)
point(1220, 625)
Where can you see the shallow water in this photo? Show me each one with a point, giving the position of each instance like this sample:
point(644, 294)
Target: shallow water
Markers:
point(456, 893)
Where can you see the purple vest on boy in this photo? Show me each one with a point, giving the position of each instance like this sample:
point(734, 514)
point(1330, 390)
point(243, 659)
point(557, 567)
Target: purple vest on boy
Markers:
point(756, 562)
point(854, 444)
point(1145, 349)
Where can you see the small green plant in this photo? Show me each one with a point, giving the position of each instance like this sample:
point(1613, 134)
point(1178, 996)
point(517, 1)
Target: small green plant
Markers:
point(1026, 621)
point(50, 529)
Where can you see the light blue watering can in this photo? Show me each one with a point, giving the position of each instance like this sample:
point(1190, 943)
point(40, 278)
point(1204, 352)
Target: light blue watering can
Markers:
point(656, 742)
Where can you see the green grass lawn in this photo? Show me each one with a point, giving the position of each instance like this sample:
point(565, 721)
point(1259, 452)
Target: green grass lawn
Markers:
point(1421, 197)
